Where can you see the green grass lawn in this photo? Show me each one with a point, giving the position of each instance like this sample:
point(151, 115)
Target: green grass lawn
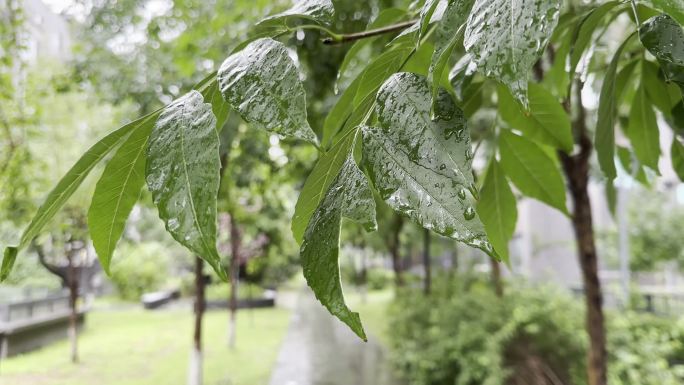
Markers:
point(137, 347)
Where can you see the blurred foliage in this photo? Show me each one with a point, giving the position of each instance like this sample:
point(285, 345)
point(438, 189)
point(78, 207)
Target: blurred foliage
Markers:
point(652, 243)
point(464, 335)
point(140, 269)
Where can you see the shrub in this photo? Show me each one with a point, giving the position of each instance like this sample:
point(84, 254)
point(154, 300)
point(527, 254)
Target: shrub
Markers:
point(138, 269)
point(468, 336)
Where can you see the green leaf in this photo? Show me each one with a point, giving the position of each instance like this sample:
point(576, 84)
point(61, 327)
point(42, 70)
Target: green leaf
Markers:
point(340, 112)
point(506, 38)
point(318, 183)
point(532, 170)
point(68, 184)
point(446, 37)
point(674, 8)
point(379, 70)
point(604, 139)
point(349, 196)
point(626, 160)
point(643, 130)
point(611, 196)
point(262, 83)
point(319, 11)
point(656, 89)
point(584, 31)
point(426, 16)
point(423, 167)
point(664, 38)
point(497, 209)
point(546, 122)
point(677, 152)
point(385, 18)
point(116, 193)
point(183, 175)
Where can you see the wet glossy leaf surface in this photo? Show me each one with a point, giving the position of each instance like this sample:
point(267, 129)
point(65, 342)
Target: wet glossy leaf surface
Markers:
point(446, 37)
point(183, 174)
point(116, 193)
point(506, 38)
point(604, 139)
point(69, 183)
point(321, 11)
point(423, 168)
point(497, 209)
point(546, 121)
point(348, 196)
point(674, 8)
point(262, 83)
point(643, 130)
point(664, 38)
point(532, 171)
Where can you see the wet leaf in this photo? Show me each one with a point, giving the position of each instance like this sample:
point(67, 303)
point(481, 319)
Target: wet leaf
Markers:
point(677, 152)
point(116, 193)
point(546, 122)
point(674, 8)
point(604, 139)
point(183, 175)
point(262, 83)
point(532, 171)
point(348, 196)
point(320, 11)
point(446, 37)
point(643, 130)
point(664, 38)
point(318, 183)
point(507, 37)
point(423, 168)
point(426, 16)
point(497, 209)
point(69, 183)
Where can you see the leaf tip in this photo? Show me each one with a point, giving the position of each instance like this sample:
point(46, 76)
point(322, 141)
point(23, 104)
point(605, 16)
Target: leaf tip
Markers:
point(9, 256)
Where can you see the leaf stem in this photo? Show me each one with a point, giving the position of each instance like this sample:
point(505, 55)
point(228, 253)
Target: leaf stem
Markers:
point(636, 14)
point(344, 38)
point(333, 35)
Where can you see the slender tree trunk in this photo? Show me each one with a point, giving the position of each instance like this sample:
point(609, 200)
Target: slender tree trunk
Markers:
point(395, 247)
point(496, 277)
point(427, 264)
point(195, 370)
point(73, 307)
point(235, 245)
point(576, 169)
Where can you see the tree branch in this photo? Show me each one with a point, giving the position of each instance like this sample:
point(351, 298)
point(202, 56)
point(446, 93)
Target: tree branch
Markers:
point(340, 39)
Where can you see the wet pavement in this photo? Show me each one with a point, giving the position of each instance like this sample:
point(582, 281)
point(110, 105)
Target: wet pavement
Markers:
point(320, 350)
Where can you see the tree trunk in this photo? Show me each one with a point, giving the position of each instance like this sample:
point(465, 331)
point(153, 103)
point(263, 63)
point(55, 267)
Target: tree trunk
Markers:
point(496, 277)
point(73, 307)
point(195, 370)
point(235, 245)
point(576, 169)
point(394, 248)
point(427, 264)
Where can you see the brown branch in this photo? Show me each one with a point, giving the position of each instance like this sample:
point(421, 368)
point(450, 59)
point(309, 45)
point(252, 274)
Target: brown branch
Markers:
point(340, 39)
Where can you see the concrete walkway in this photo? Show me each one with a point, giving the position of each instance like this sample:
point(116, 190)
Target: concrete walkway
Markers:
point(320, 350)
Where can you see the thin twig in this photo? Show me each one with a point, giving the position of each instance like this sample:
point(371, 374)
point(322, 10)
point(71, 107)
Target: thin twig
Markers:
point(344, 38)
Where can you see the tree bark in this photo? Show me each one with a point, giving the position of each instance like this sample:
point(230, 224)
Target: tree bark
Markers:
point(235, 246)
point(195, 370)
point(496, 277)
point(73, 307)
point(427, 263)
point(394, 248)
point(576, 168)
